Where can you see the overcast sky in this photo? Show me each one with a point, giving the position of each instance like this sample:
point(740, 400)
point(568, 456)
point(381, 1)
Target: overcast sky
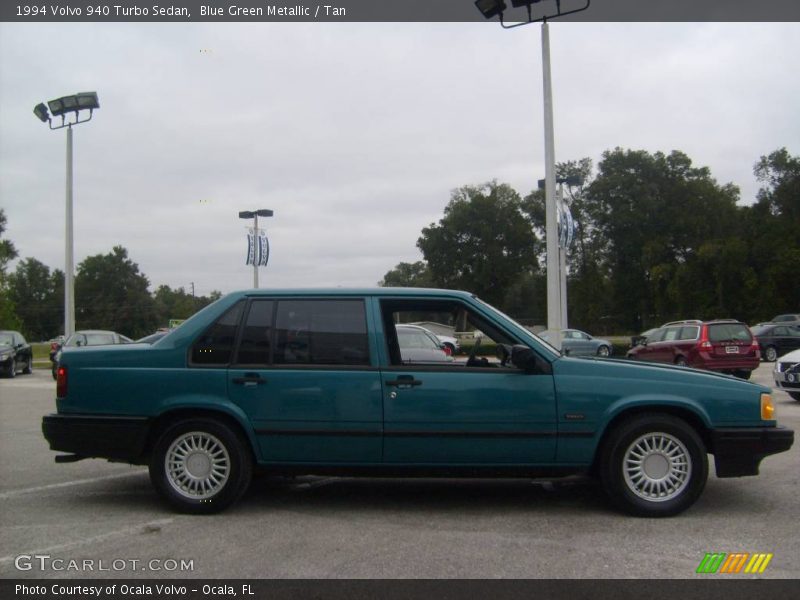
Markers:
point(354, 134)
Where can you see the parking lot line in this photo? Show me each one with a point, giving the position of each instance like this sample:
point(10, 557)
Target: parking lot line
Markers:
point(53, 486)
point(150, 525)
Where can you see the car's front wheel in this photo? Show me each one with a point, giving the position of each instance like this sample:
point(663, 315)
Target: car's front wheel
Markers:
point(12, 369)
point(201, 466)
point(653, 465)
point(28, 367)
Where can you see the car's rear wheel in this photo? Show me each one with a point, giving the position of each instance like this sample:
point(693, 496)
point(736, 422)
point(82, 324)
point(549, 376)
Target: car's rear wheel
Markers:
point(770, 354)
point(28, 367)
point(681, 361)
point(795, 395)
point(604, 351)
point(201, 466)
point(743, 374)
point(653, 465)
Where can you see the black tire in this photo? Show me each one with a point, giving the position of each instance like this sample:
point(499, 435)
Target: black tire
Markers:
point(208, 441)
point(743, 374)
point(603, 351)
point(680, 477)
point(55, 371)
point(770, 354)
point(12, 369)
point(681, 361)
point(28, 368)
point(795, 395)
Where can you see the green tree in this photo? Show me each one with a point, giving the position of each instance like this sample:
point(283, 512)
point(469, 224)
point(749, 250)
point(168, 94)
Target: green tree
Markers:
point(178, 304)
point(484, 243)
point(652, 214)
point(111, 293)
point(33, 290)
point(8, 315)
point(406, 274)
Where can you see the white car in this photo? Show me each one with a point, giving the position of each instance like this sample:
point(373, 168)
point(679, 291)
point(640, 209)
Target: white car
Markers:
point(418, 345)
point(787, 374)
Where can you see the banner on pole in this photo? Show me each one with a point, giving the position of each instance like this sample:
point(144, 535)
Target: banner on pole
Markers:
point(263, 249)
point(251, 248)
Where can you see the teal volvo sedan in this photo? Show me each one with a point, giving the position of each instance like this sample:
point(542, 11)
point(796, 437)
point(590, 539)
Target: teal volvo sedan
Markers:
point(313, 382)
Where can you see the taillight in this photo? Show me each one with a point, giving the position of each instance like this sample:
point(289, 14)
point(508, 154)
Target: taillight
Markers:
point(704, 343)
point(61, 382)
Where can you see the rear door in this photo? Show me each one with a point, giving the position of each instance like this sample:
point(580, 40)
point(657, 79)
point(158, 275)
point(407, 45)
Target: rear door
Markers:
point(304, 374)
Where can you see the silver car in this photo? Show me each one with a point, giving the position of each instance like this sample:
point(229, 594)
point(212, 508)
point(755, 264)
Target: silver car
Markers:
point(418, 345)
point(579, 343)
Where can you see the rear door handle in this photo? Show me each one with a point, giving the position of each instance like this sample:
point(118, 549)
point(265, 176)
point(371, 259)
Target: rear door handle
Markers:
point(404, 381)
point(249, 379)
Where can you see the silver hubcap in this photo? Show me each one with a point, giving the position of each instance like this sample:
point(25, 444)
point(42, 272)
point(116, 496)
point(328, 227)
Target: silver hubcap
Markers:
point(771, 354)
point(197, 465)
point(603, 351)
point(657, 467)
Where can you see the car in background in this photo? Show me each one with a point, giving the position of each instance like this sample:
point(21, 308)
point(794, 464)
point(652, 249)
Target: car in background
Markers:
point(418, 345)
point(723, 345)
point(450, 343)
point(153, 337)
point(88, 337)
point(787, 374)
point(642, 337)
point(787, 319)
point(15, 354)
point(776, 339)
point(578, 343)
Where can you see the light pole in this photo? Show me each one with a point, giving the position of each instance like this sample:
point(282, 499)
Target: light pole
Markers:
point(258, 256)
point(63, 107)
point(555, 299)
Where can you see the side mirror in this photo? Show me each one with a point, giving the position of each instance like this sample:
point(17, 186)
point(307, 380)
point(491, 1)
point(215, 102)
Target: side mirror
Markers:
point(565, 351)
point(527, 360)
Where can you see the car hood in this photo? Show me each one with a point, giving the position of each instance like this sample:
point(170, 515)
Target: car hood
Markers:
point(665, 371)
point(793, 356)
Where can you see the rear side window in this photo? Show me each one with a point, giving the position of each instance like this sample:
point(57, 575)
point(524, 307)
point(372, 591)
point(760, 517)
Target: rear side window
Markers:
point(321, 332)
point(689, 333)
point(256, 342)
point(729, 332)
point(215, 346)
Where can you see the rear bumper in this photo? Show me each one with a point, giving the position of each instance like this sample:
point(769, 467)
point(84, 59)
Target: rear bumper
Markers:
point(112, 437)
point(739, 451)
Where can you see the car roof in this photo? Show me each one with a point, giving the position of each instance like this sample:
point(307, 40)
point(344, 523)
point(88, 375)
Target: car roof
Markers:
point(376, 291)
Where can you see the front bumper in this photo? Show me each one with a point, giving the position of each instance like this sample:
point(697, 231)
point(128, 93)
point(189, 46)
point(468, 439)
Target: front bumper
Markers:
point(739, 451)
point(111, 437)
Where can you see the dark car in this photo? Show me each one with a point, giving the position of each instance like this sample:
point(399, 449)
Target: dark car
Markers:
point(89, 337)
point(723, 345)
point(15, 354)
point(775, 339)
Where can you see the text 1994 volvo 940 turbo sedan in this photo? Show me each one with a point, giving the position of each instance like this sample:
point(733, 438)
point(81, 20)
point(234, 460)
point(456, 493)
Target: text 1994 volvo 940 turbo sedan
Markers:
point(313, 382)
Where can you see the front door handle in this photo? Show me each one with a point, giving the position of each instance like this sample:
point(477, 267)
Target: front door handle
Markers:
point(249, 379)
point(404, 381)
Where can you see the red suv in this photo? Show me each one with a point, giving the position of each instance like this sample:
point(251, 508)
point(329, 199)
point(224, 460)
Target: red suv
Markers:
point(724, 345)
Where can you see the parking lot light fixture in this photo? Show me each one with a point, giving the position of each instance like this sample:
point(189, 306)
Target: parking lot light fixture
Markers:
point(65, 107)
point(491, 8)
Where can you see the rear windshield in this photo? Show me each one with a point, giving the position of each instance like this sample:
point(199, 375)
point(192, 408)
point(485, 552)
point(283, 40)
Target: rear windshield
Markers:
point(729, 332)
point(761, 330)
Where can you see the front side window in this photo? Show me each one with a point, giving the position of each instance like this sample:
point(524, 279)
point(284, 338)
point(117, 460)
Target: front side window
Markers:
point(321, 332)
point(215, 346)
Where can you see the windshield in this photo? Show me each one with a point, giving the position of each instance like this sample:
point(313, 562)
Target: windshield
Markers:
point(90, 339)
point(6, 339)
point(526, 331)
